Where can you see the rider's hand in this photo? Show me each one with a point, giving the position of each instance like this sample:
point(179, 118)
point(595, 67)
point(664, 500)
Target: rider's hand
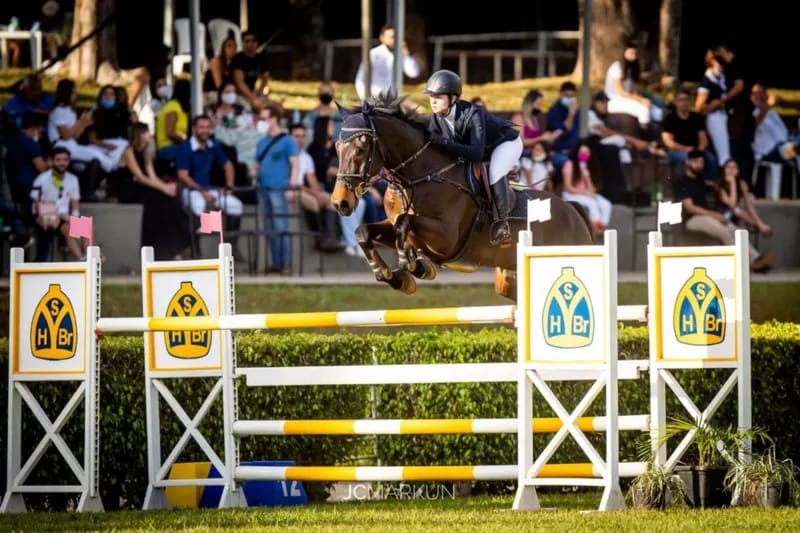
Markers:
point(438, 138)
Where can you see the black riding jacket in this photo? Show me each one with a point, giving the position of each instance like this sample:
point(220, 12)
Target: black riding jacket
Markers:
point(477, 132)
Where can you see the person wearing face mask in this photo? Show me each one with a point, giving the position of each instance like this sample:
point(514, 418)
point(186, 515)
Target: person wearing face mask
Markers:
point(621, 82)
point(470, 132)
point(563, 120)
point(579, 187)
point(111, 122)
point(710, 101)
point(228, 113)
point(325, 108)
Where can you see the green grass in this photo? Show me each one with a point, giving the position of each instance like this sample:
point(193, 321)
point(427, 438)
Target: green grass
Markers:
point(460, 514)
point(779, 301)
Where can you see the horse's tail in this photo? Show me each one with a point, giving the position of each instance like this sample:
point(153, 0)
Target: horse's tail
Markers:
point(584, 215)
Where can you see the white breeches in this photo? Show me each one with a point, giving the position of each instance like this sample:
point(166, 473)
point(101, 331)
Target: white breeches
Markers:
point(108, 159)
point(638, 110)
point(228, 203)
point(717, 126)
point(599, 207)
point(504, 159)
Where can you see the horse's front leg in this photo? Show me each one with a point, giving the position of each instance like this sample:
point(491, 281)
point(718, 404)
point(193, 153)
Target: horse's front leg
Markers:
point(406, 258)
point(383, 234)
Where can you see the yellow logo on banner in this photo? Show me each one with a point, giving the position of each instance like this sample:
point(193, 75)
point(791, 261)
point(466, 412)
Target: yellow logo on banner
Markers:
point(699, 315)
point(187, 344)
point(54, 331)
point(568, 315)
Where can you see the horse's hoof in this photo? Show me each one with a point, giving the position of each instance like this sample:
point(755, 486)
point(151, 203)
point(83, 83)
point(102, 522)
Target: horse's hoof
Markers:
point(425, 268)
point(405, 281)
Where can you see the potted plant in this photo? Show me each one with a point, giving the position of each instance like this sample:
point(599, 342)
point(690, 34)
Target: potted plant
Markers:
point(762, 480)
point(655, 488)
point(712, 447)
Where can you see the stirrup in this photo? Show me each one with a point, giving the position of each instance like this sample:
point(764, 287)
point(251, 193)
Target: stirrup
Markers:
point(500, 234)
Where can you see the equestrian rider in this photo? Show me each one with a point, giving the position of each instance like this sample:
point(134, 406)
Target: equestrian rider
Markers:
point(470, 132)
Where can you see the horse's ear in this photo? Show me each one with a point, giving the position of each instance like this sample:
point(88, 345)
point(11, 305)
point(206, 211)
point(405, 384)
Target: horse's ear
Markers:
point(342, 111)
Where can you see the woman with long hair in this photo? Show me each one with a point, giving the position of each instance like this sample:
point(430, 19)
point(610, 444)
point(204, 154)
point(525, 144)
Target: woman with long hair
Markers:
point(579, 187)
point(534, 121)
point(622, 79)
point(165, 226)
point(736, 202)
point(219, 67)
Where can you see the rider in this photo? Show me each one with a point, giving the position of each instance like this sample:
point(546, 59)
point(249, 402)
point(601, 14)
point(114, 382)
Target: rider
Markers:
point(472, 133)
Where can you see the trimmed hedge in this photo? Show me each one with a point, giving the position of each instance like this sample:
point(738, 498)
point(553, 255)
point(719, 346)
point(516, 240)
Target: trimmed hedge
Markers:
point(775, 377)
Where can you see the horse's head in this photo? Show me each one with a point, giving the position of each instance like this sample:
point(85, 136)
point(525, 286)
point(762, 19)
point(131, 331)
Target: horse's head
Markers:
point(381, 134)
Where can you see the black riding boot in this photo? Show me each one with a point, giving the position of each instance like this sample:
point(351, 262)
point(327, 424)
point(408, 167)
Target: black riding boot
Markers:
point(500, 233)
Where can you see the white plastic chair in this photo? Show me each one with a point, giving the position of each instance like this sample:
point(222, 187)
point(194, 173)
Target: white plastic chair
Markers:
point(218, 30)
point(183, 53)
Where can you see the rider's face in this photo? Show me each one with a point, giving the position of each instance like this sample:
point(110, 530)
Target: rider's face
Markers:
point(440, 103)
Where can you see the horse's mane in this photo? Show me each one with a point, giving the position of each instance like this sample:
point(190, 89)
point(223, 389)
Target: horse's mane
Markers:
point(390, 104)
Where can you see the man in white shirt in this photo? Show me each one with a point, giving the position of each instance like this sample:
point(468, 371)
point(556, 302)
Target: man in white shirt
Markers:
point(56, 195)
point(772, 142)
point(382, 61)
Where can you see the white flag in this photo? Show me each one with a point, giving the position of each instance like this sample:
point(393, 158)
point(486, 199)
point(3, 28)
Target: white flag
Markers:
point(538, 210)
point(669, 213)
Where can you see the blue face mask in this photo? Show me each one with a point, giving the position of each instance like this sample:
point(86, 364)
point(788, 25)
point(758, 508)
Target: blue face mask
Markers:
point(107, 104)
point(565, 101)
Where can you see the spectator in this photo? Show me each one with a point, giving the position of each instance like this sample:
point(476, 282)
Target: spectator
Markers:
point(772, 141)
point(172, 122)
point(199, 160)
point(276, 167)
point(563, 119)
point(579, 187)
point(56, 195)
point(229, 114)
point(250, 72)
point(740, 110)
point(538, 170)
point(534, 127)
point(30, 98)
point(325, 108)
point(165, 227)
point(736, 202)
point(382, 65)
point(684, 131)
point(220, 71)
point(710, 102)
point(24, 161)
point(622, 78)
point(111, 119)
point(692, 190)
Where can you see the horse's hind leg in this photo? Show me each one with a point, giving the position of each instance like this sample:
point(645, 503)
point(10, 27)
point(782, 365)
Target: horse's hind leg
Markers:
point(383, 233)
point(505, 283)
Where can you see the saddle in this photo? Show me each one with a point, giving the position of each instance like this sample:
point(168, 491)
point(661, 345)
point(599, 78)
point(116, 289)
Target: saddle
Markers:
point(478, 180)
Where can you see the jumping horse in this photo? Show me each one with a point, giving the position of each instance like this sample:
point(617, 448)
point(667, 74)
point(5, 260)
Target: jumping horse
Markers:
point(438, 213)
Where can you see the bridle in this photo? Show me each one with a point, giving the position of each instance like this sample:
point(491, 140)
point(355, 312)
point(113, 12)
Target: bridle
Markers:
point(358, 183)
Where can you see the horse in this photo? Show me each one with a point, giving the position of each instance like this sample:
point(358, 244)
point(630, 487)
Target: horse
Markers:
point(438, 214)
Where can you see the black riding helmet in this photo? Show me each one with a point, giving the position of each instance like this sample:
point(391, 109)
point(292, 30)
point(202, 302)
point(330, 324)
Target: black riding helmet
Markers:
point(443, 82)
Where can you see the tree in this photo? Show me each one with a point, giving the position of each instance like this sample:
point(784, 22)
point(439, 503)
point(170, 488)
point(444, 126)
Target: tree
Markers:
point(82, 63)
point(307, 26)
point(670, 36)
point(612, 25)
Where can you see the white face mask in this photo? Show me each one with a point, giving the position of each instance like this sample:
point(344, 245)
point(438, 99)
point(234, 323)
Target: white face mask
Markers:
point(164, 92)
point(540, 157)
point(262, 127)
point(228, 98)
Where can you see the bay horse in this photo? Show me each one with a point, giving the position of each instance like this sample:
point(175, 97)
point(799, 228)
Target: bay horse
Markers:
point(438, 215)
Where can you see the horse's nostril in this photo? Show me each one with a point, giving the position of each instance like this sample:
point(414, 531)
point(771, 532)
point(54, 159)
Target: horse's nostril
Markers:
point(344, 206)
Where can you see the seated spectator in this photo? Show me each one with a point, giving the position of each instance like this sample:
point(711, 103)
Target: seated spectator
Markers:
point(536, 172)
point(684, 131)
point(772, 141)
point(622, 78)
point(110, 121)
point(250, 72)
point(172, 122)
point(24, 161)
point(736, 202)
point(229, 113)
point(597, 126)
point(219, 71)
point(692, 190)
point(325, 108)
point(534, 122)
point(198, 159)
point(563, 119)
point(165, 227)
point(30, 98)
point(56, 195)
point(579, 187)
